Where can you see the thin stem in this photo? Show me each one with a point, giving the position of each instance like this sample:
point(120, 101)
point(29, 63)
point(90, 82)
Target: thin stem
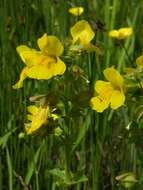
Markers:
point(126, 52)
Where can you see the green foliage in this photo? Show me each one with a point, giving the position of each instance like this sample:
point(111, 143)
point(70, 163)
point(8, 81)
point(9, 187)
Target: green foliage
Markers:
point(102, 146)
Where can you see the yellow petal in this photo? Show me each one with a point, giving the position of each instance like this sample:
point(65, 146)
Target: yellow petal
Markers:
point(99, 104)
point(28, 56)
point(103, 87)
point(59, 68)
point(29, 117)
point(117, 99)
point(82, 31)
point(23, 76)
point(40, 72)
point(47, 69)
point(39, 120)
point(113, 76)
point(76, 11)
point(139, 61)
point(50, 45)
point(125, 32)
point(32, 109)
point(114, 34)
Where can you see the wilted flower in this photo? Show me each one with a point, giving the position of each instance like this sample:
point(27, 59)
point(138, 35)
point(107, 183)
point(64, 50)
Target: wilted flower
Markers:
point(76, 11)
point(109, 93)
point(43, 64)
point(121, 33)
point(38, 117)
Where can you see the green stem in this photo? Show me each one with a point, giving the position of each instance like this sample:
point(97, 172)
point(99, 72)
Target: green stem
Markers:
point(67, 165)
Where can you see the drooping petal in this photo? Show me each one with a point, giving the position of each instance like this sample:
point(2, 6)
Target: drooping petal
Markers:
point(102, 87)
point(99, 104)
point(23, 76)
point(117, 99)
point(76, 11)
point(113, 76)
point(50, 45)
point(83, 32)
point(29, 56)
point(39, 120)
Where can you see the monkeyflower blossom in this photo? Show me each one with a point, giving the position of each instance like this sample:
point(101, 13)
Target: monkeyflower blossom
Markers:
point(121, 33)
point(44, 63)
point(38, 117)
point(109, 93)
point(83, 34)
point(76, 11)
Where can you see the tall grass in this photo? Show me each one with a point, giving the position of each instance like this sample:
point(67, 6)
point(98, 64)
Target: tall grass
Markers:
point(102, 148)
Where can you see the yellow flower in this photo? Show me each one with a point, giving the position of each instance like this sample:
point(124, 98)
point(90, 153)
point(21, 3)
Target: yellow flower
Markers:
point(82, 32)
point(43, 64)
point(38, 117)
point(109, 93)
point(76, 11)
point(82, 35)
point(121, 33)
point(139, 61)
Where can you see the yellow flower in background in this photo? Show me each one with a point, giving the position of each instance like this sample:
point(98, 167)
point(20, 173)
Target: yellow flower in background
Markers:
point(43, 64)
point(76, 11)
point(109, 93)
point(38, 117)
point(83, 34)
point(121, 33)
point(139, 61)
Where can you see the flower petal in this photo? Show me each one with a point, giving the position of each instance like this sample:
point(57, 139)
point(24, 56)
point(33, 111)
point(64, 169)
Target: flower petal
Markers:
point(23, 76)
point(114, 34)
point(28, 56)
point(76, 11)
point(83, 32)
point(102, 87)
point(32, 109)
point(47, 69)
point(113, 76)
point(50, 45)
point(40, 119)
point(117, 99)
point(40, 72)
point(125, 32)
point(99, 104)
point(59, 68)
point(139, 61)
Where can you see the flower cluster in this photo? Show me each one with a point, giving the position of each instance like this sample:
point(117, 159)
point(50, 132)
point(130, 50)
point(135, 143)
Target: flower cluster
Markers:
point(45, 63)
